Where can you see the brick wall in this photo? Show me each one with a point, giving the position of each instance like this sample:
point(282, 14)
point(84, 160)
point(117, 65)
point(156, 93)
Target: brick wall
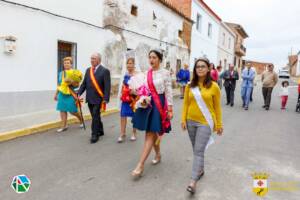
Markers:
point(187, 33)
point(259, 66)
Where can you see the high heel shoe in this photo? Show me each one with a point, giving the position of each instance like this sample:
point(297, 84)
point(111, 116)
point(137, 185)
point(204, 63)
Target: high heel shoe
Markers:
point(138, 172)
point(157, 160)
point(191, 189)
point(121, 139)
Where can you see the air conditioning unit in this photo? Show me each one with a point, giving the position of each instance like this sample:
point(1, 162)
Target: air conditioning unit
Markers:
point(10, 44)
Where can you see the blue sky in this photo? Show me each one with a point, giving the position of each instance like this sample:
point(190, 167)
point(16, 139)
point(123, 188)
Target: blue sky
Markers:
point(273, 26)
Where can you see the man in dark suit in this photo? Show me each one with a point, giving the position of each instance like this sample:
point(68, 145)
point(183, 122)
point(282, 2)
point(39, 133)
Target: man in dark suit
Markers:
point(230, 76)
point(93, 98)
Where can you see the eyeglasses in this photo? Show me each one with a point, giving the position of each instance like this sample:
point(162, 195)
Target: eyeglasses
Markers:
point(201, 67)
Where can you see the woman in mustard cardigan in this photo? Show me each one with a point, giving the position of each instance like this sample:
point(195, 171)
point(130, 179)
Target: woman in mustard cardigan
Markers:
point(202, 115)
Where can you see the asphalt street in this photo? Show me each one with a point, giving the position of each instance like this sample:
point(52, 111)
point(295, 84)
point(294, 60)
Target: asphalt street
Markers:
point(65, 166)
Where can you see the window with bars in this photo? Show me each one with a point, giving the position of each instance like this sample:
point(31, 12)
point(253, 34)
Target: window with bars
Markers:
point(66, 49)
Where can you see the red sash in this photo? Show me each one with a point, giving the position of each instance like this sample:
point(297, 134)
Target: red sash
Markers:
point(97, 88)
point(163, 111)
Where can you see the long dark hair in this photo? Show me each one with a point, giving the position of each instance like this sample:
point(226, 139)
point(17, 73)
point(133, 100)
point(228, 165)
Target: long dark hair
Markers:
point(158, 53)
point(208, 80)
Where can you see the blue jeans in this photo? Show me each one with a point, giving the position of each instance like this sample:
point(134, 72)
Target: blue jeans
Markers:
point(246, 93)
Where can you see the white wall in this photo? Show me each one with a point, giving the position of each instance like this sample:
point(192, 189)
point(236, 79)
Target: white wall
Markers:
point(168, 24)
point(226, 50)
point(34, 65)
point(90, 11)
point(201, 43)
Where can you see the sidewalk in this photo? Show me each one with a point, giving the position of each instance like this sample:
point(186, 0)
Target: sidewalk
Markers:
point(29, 123)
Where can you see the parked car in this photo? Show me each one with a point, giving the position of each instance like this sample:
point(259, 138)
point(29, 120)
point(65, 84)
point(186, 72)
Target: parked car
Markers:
point(284, 73)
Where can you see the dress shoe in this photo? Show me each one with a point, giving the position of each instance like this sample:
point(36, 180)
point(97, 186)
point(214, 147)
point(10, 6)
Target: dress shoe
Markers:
point(94, 139)
point(232, 105)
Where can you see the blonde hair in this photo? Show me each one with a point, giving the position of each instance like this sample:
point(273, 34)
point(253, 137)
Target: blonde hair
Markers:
point(68, 59)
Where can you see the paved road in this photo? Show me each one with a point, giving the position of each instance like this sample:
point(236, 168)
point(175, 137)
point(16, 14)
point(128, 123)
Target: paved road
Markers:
point(66, 167)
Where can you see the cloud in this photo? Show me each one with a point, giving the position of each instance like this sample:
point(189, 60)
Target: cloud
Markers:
point(272, 25)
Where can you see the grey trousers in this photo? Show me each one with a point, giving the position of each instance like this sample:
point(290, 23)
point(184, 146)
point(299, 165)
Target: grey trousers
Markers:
point(199, 136)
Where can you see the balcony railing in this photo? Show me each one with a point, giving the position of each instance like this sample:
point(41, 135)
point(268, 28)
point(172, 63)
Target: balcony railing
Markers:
point(240, 49)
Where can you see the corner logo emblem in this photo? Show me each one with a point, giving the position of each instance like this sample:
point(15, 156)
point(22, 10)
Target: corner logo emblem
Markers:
point(21, 184)
point(260, 184)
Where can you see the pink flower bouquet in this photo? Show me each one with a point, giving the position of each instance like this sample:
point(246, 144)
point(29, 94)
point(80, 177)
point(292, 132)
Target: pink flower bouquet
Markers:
point(144, 97)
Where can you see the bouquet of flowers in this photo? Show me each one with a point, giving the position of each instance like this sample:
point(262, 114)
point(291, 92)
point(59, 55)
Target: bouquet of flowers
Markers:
point(73, 77)
point(144, 97)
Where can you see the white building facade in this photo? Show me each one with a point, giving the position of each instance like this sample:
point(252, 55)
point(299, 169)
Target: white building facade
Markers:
point(226, 46)
point(46, 31)
point(205, 32)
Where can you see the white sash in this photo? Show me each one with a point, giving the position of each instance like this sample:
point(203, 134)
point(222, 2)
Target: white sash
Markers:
point(202, 106)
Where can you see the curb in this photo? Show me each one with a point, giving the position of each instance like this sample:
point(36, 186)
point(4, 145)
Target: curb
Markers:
point(45, 127)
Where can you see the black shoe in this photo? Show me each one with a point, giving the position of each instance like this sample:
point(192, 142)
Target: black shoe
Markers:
point(101, 134)
point(232, 105)
point(94, 139)
point(267, 108)
point(246, 108)
point(264, 106)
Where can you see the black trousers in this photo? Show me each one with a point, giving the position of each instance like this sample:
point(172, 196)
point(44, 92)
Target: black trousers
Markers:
point(230, 94)
point(267, 93)
point(97, 125)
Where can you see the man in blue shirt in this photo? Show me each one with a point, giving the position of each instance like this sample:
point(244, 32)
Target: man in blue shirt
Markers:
point(248, 76)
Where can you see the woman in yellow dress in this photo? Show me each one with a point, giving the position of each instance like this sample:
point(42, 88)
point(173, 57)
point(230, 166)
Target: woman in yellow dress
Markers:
point(65, 96)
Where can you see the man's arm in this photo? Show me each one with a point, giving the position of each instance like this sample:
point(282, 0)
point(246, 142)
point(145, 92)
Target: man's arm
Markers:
point(252, 76)
point(276, 78)
point(107, 85)
point(244, 75)
point(83, 84)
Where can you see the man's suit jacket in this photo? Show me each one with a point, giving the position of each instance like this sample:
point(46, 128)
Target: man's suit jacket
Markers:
point(102, 76)
point(230, 80)
point(248, 77)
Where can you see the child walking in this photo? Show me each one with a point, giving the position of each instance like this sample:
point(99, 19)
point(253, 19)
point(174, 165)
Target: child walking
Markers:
point(284, 94)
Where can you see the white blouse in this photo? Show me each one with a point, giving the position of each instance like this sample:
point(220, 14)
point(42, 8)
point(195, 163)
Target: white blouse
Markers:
point(161, 79)
point(163, 84)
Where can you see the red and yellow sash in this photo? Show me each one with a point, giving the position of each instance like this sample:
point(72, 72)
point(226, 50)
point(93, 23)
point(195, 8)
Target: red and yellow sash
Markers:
point(98, 89)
